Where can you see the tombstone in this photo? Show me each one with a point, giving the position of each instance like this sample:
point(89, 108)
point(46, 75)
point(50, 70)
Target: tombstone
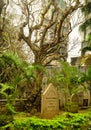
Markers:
point(80, 102)
point(86, 98)
point(85, 102)
point(61, 100)
point(75, 98)
point(50, 102)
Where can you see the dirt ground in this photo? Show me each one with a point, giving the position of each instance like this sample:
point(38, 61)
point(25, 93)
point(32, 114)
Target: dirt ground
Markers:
point(38, 114)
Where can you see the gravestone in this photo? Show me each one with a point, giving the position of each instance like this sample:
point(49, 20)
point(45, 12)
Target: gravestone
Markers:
point(75, 98)
point(50, 102)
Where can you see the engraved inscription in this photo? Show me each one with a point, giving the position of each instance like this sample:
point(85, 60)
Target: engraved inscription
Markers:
point(51, 104)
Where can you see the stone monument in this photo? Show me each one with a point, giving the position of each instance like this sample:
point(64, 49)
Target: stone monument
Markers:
point(50, 102)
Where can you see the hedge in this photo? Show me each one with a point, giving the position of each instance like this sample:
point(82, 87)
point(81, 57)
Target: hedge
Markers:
point(68, 121)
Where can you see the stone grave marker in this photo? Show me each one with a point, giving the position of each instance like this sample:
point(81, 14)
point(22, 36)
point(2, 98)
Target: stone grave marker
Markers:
point(50, 102)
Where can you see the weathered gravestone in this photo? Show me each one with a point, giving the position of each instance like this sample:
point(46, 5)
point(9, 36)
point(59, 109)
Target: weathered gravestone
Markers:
point(50, 102)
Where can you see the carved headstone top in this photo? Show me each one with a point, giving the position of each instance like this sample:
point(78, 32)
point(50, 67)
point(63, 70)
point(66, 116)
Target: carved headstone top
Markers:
point(50, 102)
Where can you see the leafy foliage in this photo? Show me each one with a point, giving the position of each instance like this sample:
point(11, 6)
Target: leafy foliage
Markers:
point(4, 88)
point(68, 78)
point(19, 74)
point(67, 121)
point(86, 24)
point(14, 70)
point(5, 119)
point(9, 94)
point(70, 82)
point(89, 37)
point(87, 77)
point(87, 8)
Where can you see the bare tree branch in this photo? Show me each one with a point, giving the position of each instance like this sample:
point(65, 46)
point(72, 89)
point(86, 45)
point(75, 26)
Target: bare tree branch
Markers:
point(48, 36)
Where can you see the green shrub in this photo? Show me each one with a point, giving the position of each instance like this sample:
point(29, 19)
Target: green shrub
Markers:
point(34, 123)
point(71, 107)
point(10, 108)
point(68, 121)
point(5, 119)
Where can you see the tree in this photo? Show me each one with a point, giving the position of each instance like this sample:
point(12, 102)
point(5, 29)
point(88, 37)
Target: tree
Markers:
point(52, 25)
point(9, 32)
point(47, 33)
